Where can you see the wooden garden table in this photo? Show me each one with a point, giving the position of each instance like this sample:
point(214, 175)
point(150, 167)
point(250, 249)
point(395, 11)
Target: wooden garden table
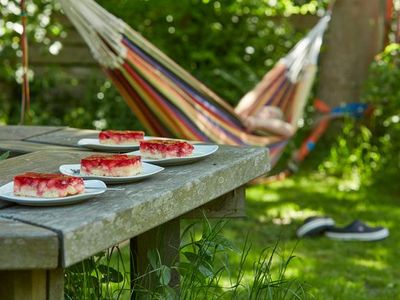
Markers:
point(38, 243)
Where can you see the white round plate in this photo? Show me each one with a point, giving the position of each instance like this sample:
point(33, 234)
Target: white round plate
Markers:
point(94, 144)
point(148, 170)
point(92, 188)
point(199, 152)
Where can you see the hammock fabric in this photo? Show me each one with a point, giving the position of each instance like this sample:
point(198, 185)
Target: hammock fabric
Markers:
point(168, 101)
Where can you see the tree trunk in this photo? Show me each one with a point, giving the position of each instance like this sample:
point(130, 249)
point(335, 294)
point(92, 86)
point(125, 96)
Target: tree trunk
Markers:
point(355, 36)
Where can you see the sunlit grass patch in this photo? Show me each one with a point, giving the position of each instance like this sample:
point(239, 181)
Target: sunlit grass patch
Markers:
point(331, 269)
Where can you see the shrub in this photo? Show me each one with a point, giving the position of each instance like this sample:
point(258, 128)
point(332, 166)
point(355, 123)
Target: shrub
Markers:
point(382, 91)
point(364, 152)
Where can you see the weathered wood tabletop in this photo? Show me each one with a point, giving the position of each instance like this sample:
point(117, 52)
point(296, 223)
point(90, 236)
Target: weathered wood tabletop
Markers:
point(25, 139)
point(36, 239)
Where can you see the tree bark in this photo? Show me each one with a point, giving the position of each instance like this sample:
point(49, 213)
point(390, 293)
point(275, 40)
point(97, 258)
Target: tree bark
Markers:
point(355, 36)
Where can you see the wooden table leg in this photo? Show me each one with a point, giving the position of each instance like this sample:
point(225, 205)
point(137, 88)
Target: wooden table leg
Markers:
point(32, 284)
point(166, 239)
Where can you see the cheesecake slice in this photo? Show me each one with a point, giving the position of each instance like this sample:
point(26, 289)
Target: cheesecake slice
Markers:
point(118, 165)
point(157, 149)
point(121, 137)
point(45, 185)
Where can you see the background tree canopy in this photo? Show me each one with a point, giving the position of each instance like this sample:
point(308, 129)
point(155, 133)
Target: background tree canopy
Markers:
point(228, 45)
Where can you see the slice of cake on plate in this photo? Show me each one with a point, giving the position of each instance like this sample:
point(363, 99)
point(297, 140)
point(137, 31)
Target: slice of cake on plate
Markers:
point(158, 148)
point(120, 137)
point(45, 185)
point(118, 165)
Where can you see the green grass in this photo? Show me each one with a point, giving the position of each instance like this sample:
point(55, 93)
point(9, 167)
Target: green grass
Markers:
point(330, 269)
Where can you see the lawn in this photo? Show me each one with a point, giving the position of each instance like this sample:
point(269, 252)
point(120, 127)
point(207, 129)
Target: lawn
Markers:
point(329, 269)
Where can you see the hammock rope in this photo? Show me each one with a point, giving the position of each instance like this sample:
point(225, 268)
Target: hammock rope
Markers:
point(25, 99)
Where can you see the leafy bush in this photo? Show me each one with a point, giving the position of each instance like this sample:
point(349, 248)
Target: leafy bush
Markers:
point(383, 92)
point(365, 152)
point(353, 156)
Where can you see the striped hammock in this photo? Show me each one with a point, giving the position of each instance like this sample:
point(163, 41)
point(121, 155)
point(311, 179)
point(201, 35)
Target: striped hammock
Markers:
point(168, 101)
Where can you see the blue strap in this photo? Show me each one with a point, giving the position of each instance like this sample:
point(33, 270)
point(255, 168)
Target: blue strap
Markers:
point(310, 146)
point(354, 109)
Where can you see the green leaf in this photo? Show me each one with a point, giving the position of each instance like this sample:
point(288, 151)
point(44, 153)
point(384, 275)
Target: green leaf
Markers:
point(154, 258)
point(85, 266)
point(170, 293)
point(110, 274)
point(165, 275)
point(206, 271)
point(94, 283)
point(192, 257)
point(184, 268)
point(100, 254)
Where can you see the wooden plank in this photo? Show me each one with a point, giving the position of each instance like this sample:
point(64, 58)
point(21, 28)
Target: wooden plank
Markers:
point(23, 147)
point(24, 246)
point(55, 284)
point(229, 205)
point(116, 216)
point(166, 240)
point(35, 162)
point(23, 285)
point(32, 285)
point(65, 137)
point(18, 132)
point(18, 167)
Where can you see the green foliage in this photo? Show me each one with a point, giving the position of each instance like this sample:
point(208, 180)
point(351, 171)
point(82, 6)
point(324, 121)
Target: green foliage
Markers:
point(205, 270)
point(41, 27)
point(77, 108)
point(364, 153)
point(228, 45)
point(95, 278)
point(354, 156)
point(382, 91)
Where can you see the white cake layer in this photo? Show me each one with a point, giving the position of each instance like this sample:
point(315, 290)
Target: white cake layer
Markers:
point(29, 191)
point(114, 172)
point(152, 155)
point(133, 142)
point(159, 155)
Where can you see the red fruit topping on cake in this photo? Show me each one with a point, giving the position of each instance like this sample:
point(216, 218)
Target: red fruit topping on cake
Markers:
point(44, 185)
point(118, 165)
point(121, 137)
point(157, 149)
